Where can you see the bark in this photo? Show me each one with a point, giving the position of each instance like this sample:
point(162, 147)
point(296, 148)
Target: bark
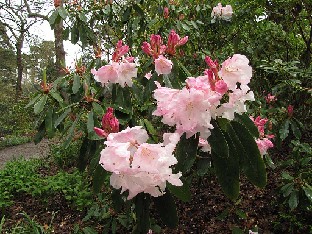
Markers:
point(59, 48)
point(19, 63)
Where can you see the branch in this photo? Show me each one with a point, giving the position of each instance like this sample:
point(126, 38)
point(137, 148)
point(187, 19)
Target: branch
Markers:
point(32, 14)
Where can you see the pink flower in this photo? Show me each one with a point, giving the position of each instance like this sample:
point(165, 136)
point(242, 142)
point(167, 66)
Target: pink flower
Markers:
point(106, 74)
point(219, 12)
point(156, 47)
point(110, 124)
point(236, 70)
point(270, 98)
point(163, 65)
point(126, 71)
point(227, 13)
point(148, 75)
point(174, 41)
point(204, 145)
point(263, 145)
point(138, 166)
point(166, 12)
point(221, 87)
point(120, 51)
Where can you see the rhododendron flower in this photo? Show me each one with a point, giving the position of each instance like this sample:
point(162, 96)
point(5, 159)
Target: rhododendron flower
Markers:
point(106, 74)
point(138, 166)
point(155, 47)
point(263, 145)
point(290, 111)
point(110, 124)
point(270, 98)
point(148, 75)
point(126, 71)
point(236, 70)
point(120, 51)
point(219, 12)
point(163, 65)
point(174, 41)
point(204, 145)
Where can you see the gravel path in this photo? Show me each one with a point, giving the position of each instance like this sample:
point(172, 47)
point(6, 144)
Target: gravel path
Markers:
point(28, 150)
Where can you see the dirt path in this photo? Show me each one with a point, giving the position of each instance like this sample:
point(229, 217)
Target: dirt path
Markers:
point(28, 150)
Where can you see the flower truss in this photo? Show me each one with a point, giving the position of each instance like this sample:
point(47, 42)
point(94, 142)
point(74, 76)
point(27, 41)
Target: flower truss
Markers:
point(223, 13)
point(203, 98)
point(263, 142)
point(138, 166)
point(119, 71)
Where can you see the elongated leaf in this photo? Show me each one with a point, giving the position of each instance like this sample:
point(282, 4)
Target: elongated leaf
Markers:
point(38, 107)
point(141, 209)
point(97, 109)
point(83, 17)
point(226, 168)
point(182, 192)
point(76, 84)
point(89, 230)
point(248, 123)
point(99, 177)
point(87, 151)
point(40, 134)
point(284, 131)
point(62, 117)
point(90, 122)
point(251, 161)
point(295, 130)
point(167, 209)
point(33, 101)
point(186, 153)
point(74, 34)
point(308, 191)
point(293, 200)
point(218, 142)
point(71, 131)
point(56, 96)
point(53, 17)
point(49, 123)
point(62, 12)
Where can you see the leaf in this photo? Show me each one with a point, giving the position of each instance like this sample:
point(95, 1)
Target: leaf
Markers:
point(287, 189)
point(241, 214)
point(87, 151)
point(53, 17)
point(71, 131)
point(90, 122)
point(285, 175)
point(33, 101)
point(250, 159)
point(62, 12)
point(284, 131)
point(83, 17)
point(293, 200)
point(248, 123)
point(97, 109)
point(49, 123)
point(74, 34)
point(237, 230)
point(62, 117)
point(89, 230)
point(142, 202)
point(185, 27)
point(203, 166)
point(76, 83)
point(38, 107)
point(182, 192)
point(99, 177)
point(56, 96)
point(167, 209)
point(186, 153)
point(308, 191)
point(218, 142)
point(295, 130)
point(40, 134)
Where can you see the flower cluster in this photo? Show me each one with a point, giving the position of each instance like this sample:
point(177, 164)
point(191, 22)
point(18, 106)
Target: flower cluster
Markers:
point(263, 142)
point(119, 71)
point(138, 166)
point(223, 13)
point(192, 108)
point(157, 49)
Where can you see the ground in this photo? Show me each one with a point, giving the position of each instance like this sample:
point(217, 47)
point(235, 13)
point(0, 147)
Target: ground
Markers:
point(209, 211)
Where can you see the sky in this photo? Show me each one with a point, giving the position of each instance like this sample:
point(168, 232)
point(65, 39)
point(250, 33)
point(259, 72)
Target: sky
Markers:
point(44, 32)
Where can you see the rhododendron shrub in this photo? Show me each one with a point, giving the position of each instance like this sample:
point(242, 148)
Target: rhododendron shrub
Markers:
point(150, 125)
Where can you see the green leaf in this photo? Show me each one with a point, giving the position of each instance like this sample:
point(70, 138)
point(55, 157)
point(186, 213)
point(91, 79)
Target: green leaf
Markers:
point(74, 34)
point(248, 123)
point(76, 83)
point(287, 176)
point(97, 109)
point(150, 128)
point(203, 166)
point(142, 202)
point(90, 122)
point(53, 17)
point(250, 159)
point(241, 214)
point(89, 230)
point(87, 151)
point(237, 230)
point(49, 123)
point(56, 96)
point(71, 131)
point(38, 107)
point(99, 177)
point(182, 192)
point(308, 191)
point(284, 131)
point(62, 12)
point(167, 209)
point(295, 130)
point(185, 27)
point(83, 17)
point(40, 134)
point(293, 200)
point(33, 101)
point(186, 153)
point(218, 142)
point(62, 117)
point(287, 189)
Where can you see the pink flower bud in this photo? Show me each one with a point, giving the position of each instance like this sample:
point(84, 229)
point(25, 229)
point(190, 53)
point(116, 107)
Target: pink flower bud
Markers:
point(110, 124)
point(290, 111)
point(174, 41)
point(120, 51)
point(146, 47)
point(221, 87)
point(166, 12)
point(100, 132)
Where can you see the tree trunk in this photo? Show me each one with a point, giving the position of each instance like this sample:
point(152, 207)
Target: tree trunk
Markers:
point(19, 63)
point(59, 47)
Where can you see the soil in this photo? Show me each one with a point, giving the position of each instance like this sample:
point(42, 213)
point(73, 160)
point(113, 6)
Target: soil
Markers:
point(209, 211)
